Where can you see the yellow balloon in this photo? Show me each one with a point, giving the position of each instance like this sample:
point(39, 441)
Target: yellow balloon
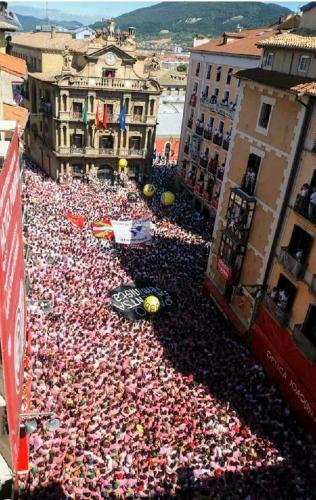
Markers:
point(122, 163)
point(167, 198)
point(151, 304)
point(149, 190)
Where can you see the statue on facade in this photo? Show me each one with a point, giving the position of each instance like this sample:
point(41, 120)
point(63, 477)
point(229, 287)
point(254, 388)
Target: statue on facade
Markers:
point(111, 28)
point(154, 63)
point(67, 59)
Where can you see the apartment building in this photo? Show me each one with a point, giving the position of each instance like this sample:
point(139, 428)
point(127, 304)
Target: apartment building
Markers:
point(90, 103)
point(261, 268)
point(210, 107)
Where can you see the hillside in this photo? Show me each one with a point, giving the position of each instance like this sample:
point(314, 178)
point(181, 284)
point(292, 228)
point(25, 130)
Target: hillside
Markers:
point(29, 23)
point(184, 19)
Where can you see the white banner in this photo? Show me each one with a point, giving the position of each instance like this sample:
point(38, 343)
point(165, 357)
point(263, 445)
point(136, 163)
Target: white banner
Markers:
point(132, 232)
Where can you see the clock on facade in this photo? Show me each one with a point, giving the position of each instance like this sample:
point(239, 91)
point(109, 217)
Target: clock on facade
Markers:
point(110, 58)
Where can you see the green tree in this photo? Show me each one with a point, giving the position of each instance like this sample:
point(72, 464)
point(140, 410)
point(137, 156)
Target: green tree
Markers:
point(182, 68)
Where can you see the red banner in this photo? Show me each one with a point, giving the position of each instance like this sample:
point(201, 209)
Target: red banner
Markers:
point(12, 292)
point(287, 367)
point(225, 270)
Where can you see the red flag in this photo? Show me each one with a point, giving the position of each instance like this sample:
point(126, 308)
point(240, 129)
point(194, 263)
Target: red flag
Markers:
point(76, 220)
point(105, 116)
point(102, 229)
point(97, 118)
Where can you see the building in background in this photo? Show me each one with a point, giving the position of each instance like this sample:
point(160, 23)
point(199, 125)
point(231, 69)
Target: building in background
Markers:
point(261, 269)
point(170, 113)
point(210, 106)
point(8, 23)
point(90, 103)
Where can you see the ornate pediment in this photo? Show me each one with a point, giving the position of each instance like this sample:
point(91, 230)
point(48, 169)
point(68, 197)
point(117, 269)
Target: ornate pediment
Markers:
point(111, 53)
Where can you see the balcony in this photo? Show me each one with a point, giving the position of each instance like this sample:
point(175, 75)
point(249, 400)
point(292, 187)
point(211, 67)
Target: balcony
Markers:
point(225, 111)
point(226, 144)
point(203, 162)
point(220, 174)
point(248, 184)
point(190, 123)
point(206, 195)
point(279, 314)
point(204, 101)
point(46, 108)
point(304, 344)
point(77, 150)
point(199, 130)
point(107, 152)
point(303, 207)
point(217, 139)
point(207, 134)
point(297, 269)
point(107, 83)
point(198, 189)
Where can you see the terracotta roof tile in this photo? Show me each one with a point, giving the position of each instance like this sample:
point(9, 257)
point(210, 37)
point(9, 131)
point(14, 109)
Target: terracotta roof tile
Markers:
point(296, 39)
point(16, 113)
point(13, 65)
point(290, 83)
point(243, 43)
point(43, 40)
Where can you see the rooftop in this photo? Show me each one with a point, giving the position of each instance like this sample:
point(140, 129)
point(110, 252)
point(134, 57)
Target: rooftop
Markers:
point(16, 113)
point(243, 43)
point(171, 78)
point(43, 40)
point(294, 84)
point(295, 39)
point(13, 65)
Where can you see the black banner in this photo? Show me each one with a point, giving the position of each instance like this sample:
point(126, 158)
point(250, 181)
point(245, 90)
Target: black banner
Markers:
point(132, 197)
point(128, 300)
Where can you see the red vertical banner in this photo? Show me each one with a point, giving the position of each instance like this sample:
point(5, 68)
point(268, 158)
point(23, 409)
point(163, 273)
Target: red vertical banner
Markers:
point(12, 292)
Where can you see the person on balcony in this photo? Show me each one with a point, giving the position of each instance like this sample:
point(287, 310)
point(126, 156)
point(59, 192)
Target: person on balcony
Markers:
point(302, 200)
point(274, 294)
point(250, 180)
point(221, 170)
point(298, 255)
point(312, 206)
point(282, 300)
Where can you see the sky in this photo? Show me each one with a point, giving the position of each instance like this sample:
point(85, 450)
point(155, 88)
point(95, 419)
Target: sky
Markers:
point(90, 11)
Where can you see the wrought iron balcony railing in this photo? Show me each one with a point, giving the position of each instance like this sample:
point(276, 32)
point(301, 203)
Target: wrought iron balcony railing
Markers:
point(279, 314)
point(296, 268)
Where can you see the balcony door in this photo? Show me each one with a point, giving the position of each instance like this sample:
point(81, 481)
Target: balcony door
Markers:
point(309, 326)
point(107, 142)
point(251, 174)
point(77, 141)
point(134, 143)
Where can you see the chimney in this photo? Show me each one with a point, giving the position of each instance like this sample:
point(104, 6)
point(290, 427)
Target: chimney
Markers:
point(131, 32)
point(53, 32)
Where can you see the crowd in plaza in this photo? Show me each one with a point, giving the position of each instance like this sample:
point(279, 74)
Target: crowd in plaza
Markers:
point(170, 407)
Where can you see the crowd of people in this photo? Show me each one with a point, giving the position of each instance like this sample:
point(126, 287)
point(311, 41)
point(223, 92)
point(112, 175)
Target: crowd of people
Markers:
point(169, 407)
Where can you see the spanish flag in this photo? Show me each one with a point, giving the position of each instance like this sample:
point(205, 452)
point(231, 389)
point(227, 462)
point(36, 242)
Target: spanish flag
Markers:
point(97, 117)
